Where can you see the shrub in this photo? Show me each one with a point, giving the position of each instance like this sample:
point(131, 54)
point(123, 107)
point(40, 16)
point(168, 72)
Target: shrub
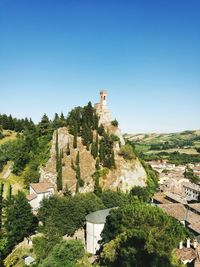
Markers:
point(126, 152)
point(115, 123)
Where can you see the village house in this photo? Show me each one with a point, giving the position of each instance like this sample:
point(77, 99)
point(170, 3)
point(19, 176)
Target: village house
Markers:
point(191, 191)
point(39, 191)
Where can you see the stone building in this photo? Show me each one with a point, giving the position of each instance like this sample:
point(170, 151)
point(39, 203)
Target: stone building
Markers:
point(37, 192)
point(95, 222)
point(105, 116)
point(191, 191)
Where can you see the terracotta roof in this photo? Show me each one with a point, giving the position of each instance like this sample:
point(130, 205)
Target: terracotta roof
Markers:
point(31, 197)
point(181, 213)
point(175, 210)
point(160, 197)
point(41, 187)
point(195, 206)
point(195, 227)
point(176, 197)
point(191, 186)
point(185, 254)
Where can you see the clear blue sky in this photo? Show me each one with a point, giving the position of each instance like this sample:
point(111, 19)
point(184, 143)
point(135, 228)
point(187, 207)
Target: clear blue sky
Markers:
point(55, 55)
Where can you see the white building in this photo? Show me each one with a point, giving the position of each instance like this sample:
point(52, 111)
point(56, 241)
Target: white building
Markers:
point(37, 192)
point(95, 222)
point(191, 191)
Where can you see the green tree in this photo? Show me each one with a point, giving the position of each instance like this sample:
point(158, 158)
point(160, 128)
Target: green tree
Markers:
point(59, 172)
point(140, 235)
point(75, 137)
point(97, 164)
point(112, 199)
point(57, 152)
point(142, 193)
point(65, 254)
point(115, 123)
point(68, 149)
point(20, 221)
point(44, 125)
point(42, 245)
point(67, 214)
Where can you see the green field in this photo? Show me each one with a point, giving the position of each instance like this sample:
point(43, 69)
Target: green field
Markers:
point(173, 146)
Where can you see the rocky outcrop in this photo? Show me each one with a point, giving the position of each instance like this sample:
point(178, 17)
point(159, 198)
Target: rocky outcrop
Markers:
point(126, 174)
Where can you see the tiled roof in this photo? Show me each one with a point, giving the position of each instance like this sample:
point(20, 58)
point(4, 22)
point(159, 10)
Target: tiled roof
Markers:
point(31, 197)
point(185, 254)
point(41, 187)
point(98, 217)
point(181, 213)
point(160, 197)
point(195, 206)
point(176, 197)
point(195, 227)
point(175, 210)
point(191, 186)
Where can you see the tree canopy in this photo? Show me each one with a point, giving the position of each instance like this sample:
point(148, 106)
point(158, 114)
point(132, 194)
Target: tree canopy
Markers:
point(140, 235)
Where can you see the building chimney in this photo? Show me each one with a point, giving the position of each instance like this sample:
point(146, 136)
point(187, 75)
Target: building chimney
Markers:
point(195, 243)
point(188, 243)
point(181, 245)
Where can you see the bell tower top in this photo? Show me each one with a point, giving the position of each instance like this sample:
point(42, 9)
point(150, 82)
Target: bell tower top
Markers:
point(103, 98)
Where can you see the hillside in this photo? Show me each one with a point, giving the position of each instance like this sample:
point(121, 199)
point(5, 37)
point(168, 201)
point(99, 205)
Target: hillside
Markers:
point(98, 139)
point(127, 173)
point(183, 144)
point(7, 135)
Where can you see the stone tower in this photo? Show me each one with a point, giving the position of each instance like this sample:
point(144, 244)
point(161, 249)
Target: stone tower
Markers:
point(103, 98)
point(105, 116)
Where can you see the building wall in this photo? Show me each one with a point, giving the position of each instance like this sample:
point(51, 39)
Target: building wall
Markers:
point(93, 232)
point(34, 203)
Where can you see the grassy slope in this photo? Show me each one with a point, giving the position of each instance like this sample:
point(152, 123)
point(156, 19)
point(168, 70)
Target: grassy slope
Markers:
point(8, 136)
point(5, 176)
point(16, 181)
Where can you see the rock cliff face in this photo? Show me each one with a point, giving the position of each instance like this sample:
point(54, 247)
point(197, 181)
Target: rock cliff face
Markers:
point(128, 173)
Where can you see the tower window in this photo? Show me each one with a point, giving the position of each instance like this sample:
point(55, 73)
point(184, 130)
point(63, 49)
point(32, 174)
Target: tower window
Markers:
point(104, 97)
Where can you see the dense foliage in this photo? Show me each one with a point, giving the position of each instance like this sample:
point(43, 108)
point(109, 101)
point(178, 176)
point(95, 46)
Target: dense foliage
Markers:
point(65, 254)
point(18, 221)
point(140, 235)
point(68, 214)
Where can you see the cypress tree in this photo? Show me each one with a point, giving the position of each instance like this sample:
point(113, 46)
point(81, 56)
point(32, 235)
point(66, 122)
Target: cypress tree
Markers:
point(97, 166)
point(97, 188)
point(113, 159)
point(94, 150)
point(95, 122)
point(68, 149)
point(9, 196)
point(59, 174)
point(97, 143)
point(101, 152)
point(77, 186)
point(57, 152)
point(78, 173)
point(75, 138)
point(77, 159)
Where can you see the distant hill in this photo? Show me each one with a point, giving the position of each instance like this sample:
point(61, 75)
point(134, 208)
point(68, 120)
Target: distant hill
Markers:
point(155, 145)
